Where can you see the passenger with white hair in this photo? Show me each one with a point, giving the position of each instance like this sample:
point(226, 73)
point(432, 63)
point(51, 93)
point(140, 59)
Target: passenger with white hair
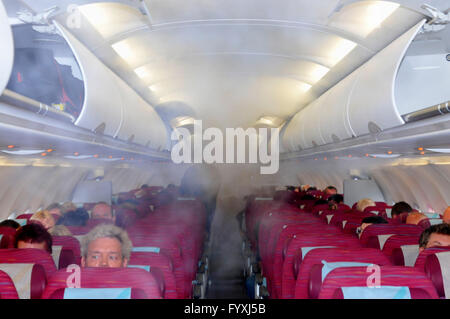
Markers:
point(106, 246)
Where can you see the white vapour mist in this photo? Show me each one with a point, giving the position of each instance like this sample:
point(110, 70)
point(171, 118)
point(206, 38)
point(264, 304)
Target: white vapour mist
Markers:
point(190, 148)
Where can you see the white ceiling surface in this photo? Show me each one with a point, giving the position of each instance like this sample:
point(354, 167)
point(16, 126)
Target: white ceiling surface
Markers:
point(235, 61)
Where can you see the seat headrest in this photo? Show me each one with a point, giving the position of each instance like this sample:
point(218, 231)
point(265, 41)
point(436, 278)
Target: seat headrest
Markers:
point(98, 293)
point(384, 292)
point(437, 268)
point(29, 279)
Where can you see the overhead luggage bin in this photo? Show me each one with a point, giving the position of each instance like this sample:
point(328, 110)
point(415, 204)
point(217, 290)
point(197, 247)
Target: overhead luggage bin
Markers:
point(364, 102)
point(110, 105)
point(7, 51)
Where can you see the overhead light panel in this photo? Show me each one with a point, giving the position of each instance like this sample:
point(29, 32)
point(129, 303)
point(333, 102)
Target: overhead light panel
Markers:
point(304, 87)
point(124, 50)
point(341, 49)
point(182, 121)
point(377, 12)
point(439, 150)
point(318, 72)
point(142, 72)
point(23, 152)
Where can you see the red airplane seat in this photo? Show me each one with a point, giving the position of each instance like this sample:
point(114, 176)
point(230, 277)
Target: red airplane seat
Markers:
point(437, 268)
point(29, 280)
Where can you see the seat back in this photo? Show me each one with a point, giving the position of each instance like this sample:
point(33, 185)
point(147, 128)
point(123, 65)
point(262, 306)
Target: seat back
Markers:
point(164, 264)
point(29, 280)
point(421, 259)
point(437, 268)
point(7, 235)
point(383, 292)
point(396, 276)
point(388, 229)
point(106, 278)
point(98, 293)
point(405, 255)
point(7, 288)
point(70, 243)
point(28, 256)
point(318, 263)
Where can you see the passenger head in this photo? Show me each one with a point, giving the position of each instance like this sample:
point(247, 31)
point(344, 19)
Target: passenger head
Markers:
point(78, 217)
point(67, 207)
point(60, 230)
point(372, 220)
point(415, 217)
point(336, 199)
point(54, 209)
point(45, 218)
point(446, 217)
point(330, 190)
point(33, 236)
point(102, 211)
point(399, 208)
point(364, 203)
point(320, 202)
point(311, 188)
point(435, 236)
point(10, 223)
point(106, 246)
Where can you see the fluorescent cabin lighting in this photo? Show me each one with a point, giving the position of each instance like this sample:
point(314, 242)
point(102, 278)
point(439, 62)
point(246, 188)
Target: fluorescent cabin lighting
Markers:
point(341, 49)
point(318, 72)
point(377, 12)
point(124, 50)
point(142, 72)
point(385, 155)
point(23, 152)
point(304, 87)
point(439, 150)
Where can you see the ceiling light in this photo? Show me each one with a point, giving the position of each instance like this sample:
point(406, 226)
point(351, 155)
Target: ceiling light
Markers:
point(124, 50)
point(318, 72)
point(437, 150)
point(341, 49)
point(385, 155)
point(153, 88)
point(304, 86)
point(142, 72)
point(182, 121)
point(78, 156)
point(23, 152)
point(377, 12)
point(11, 146)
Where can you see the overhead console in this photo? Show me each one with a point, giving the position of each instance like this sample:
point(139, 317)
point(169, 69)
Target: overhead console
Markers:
point(400, 79)
point(47, 70)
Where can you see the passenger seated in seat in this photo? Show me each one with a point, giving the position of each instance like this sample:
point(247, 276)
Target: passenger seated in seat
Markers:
point(415, 217)
point(102, 211)
point(106, 246)
point(335, 200)
point(60, 230)
point(369, 221)
point(446, 217)
point(364, 203)
point(435, 236)
point(400, 208)
point(33, 236)
point(67, 207)
point(54, 209)
point(45, 218)
point(330, 190)
point(78, 217)
point(10, 223)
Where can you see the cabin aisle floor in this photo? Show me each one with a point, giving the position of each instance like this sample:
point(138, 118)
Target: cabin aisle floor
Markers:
point(226, 262)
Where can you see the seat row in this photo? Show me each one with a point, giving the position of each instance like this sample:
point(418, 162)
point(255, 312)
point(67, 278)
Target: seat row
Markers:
point(299, 250)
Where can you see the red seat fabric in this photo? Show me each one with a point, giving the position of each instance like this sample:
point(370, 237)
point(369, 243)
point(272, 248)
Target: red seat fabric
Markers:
point(7, 235)
point(437, 268)
point(106, 278)
point(135, 294)
point(94, 222)
point(27, 256)
point(29, 281)
point(416, 293)
point(7, 288)
point(309, 280)
point(71, 243)
point(294, 257)
point(158, 261)
point(396, 241)
point(386, 229)
point(421, 259)
point(389, 276)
